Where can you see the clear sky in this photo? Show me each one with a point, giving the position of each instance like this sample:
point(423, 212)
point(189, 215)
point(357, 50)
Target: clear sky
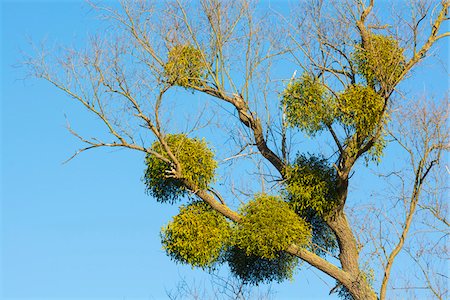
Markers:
point(85, 229)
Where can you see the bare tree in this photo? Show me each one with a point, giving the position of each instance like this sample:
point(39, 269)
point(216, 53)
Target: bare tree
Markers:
point(423, 134)
point(352, 63)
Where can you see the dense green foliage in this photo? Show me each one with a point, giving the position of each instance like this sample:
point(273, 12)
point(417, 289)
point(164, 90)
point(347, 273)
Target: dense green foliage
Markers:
point(197, 166)
point(360, 107)
point(269, 226)
point(253, 269)
point(185, 66)
point(196, 236)
point(311, 187)
point(308, 105)
point(311, 184)
point(323, 238)
point(381, 61)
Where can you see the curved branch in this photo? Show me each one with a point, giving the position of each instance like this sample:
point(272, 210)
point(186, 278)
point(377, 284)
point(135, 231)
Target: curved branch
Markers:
point(249, 119)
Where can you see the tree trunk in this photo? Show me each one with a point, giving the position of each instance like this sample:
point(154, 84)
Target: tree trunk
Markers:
point(348, 252)
point(348, 256)
point(362, 291)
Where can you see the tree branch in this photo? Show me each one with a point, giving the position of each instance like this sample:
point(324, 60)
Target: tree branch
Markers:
point(249, 119)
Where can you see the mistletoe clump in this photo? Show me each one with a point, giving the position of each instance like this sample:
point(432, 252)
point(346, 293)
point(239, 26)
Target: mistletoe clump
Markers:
point(252, 269)
point(381, 60)
point(197, 167)
point(323, 240)
point(185, 66)
point(308, 105)
point(360, 107)
point(269, 226)
point(196, 236)
point(311, 185)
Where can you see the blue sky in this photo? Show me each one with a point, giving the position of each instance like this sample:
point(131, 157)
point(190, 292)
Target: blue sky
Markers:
point(85, 229)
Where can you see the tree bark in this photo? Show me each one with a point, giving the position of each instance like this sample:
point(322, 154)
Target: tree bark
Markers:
point(348, 252)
